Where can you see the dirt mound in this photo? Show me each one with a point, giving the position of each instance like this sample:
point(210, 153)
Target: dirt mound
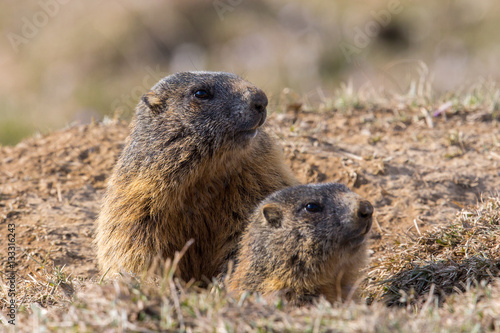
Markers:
point(51, 189)
point(417, 176)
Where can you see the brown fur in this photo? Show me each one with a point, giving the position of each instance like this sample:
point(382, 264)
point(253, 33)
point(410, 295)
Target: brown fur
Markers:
point(299, 254)
point(192, 168)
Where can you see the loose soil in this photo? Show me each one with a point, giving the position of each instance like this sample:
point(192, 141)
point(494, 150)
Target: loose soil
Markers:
point(416, 175)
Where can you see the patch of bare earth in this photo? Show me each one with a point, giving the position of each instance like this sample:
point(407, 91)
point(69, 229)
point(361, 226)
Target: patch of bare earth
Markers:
point(50, 188)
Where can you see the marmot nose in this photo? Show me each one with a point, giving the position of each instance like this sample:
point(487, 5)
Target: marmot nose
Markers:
point(365, 209)
point(258, 101)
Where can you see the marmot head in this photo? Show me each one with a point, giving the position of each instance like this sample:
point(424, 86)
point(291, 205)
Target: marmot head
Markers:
point(302, 231)
point(220, 109)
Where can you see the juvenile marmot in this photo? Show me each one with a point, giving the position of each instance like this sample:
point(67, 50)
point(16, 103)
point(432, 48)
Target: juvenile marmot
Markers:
point(195, 165)
point(302, 242)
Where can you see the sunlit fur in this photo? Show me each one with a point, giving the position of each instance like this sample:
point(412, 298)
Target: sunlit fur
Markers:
point(187, 172)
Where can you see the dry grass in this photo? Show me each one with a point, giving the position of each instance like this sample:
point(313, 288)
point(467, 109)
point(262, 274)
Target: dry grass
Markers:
point(443, 260)
point(479, 101)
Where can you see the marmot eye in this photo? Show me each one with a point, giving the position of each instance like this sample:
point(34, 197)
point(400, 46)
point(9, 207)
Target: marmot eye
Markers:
point(201, 94)
point(313, 207)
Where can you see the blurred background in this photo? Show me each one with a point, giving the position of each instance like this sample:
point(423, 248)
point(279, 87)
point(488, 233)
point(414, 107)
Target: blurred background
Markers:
point(67, 61)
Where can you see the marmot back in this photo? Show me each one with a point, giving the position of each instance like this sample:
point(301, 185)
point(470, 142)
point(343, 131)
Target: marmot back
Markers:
point(302, 242)
point(197, 162)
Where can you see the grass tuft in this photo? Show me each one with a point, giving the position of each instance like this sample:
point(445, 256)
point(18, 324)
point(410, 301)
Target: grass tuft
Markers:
point(443, 260)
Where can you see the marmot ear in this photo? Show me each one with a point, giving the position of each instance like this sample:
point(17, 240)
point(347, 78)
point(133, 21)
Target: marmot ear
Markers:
point(273, 215)
point(153, 102)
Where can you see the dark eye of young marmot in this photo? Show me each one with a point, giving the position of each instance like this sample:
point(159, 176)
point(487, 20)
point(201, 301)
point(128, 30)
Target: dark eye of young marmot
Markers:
point(202, 94)
point(313, 207)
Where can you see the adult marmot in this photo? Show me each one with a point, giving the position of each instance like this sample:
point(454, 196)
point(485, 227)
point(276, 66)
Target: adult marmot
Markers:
point(197, 162)
point(302, 242)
